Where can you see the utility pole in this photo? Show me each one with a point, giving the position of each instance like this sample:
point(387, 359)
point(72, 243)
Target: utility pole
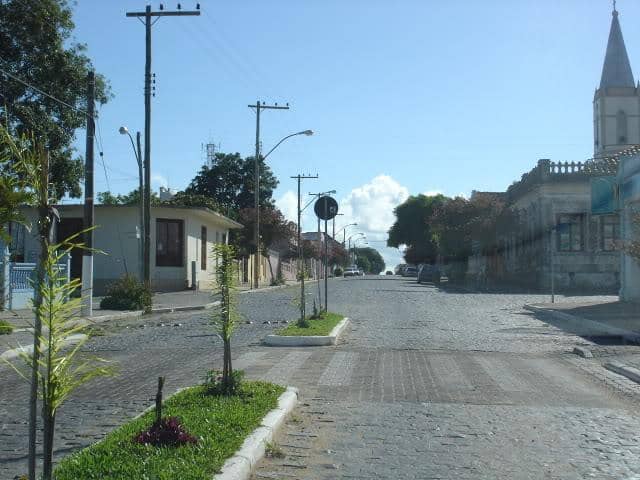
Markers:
point(87, 252)
point(148, 15)
point(141, 203)
point(301, 267)
point(256, 182)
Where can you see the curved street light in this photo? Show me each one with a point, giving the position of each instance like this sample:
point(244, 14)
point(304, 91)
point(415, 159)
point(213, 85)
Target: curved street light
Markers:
point(344, 232)
point(308, 133)
point(256, 180)
point(125, 131)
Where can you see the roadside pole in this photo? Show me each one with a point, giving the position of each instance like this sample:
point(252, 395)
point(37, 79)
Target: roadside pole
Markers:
point(301, 267)
point(326, 258)
point(87, 252)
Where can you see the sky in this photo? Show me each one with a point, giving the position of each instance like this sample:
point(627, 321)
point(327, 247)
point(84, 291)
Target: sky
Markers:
point(404, 97)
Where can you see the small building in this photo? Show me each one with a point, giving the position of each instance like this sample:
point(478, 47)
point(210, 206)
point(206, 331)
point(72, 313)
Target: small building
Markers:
point(181, 238)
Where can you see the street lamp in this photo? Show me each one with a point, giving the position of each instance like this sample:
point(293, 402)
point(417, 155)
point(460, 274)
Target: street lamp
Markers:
point(344, 232)
point(354, 235)
point(137, 152)
point(256, 181)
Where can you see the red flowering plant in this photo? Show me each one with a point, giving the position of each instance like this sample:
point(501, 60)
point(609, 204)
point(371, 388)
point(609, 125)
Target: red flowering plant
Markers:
point(169, 432)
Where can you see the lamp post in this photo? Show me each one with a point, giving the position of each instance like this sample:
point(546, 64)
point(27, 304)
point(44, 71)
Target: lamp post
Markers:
point(137, 152)
point(354, 235)
point(256, 229)
point(344, 232)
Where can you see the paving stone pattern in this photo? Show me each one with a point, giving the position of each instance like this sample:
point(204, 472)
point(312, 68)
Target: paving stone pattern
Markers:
point(427, 384)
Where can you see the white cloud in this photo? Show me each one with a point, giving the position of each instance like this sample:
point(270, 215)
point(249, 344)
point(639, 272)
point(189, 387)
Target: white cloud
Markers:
point(288, 205)
point(433, 193)
point(371, 207)
point(159, 180)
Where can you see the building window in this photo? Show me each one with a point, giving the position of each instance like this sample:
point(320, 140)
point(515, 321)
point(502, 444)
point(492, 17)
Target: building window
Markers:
point(203, 248)
point(570, 233)
point(621, 127)
point(610, 232)
point(169, 242)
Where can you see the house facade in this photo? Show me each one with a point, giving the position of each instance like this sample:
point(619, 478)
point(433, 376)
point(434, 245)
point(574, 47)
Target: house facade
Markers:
point(182, 239)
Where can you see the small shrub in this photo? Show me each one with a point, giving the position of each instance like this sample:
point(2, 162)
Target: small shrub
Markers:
point(168, 433)
point(215, 386)
point(5, 327)
point(338, 272)
point(273, 450)
point(127, 293)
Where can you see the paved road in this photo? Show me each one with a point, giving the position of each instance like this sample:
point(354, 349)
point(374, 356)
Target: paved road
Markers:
point(434, 384)
point(428, 384)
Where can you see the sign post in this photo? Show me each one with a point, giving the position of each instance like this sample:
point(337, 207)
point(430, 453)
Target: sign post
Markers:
point(326, 208)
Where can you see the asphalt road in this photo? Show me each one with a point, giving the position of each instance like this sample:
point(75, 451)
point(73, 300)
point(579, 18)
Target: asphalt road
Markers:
point(428, 383)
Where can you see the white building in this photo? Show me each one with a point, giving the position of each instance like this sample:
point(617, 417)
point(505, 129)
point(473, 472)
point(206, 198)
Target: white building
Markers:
point(180, 237)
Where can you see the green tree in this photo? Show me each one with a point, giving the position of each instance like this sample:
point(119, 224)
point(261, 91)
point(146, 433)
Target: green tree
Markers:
point(60, 372)
point(230, 183)
point(131, 198)
point(370, 260)
point(36, 45)
point(226, 315)
point(14, 181)
point(412, 227)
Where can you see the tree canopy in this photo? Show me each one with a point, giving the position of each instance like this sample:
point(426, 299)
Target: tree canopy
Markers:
point(369, 260)
point(36, 45)
point(412, 227)
point(230, 183)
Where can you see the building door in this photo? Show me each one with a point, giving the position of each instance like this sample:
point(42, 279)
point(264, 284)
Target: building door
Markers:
point(66, 228)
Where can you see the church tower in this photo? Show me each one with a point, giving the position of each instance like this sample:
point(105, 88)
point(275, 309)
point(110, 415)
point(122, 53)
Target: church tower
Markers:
point(616, 103)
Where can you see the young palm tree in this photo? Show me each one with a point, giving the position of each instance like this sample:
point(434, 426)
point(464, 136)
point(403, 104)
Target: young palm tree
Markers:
point(226, 316)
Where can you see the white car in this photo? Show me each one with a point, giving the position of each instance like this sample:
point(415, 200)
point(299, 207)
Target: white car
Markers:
point(351, 272)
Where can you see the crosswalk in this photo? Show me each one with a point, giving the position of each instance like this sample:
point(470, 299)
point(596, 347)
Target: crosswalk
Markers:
point(424, 376)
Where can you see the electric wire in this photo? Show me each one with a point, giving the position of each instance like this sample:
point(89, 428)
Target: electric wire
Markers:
point(42, 92)
point(98, 141)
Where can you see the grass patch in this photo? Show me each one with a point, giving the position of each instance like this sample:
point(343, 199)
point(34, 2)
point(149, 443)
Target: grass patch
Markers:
point(5, 327)
point(220, 423)
point(321, 326)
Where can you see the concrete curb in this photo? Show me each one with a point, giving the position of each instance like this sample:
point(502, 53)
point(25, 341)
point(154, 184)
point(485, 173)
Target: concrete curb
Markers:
point(241, 464)
point(631, 373)
point(590, 327)
point(583, 352)
point(309, 341)
point(15, 352)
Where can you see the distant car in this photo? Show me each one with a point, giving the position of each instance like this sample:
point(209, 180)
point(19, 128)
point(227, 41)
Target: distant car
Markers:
point(389, 272)
point(410, 272)
point(429, 273)
point(351, 272)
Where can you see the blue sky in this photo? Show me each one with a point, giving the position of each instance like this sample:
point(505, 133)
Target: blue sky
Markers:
point(404, 97)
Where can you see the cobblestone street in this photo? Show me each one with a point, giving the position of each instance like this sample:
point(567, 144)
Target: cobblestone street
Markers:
point(427, 383)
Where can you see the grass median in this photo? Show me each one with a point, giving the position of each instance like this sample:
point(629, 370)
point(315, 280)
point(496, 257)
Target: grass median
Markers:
point(320, 326)
point(219, 423)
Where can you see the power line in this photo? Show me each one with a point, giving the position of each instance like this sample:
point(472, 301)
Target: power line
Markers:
point(33, 87)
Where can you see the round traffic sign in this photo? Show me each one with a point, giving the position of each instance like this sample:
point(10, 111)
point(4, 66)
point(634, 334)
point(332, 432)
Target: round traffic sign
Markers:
point(326, 207)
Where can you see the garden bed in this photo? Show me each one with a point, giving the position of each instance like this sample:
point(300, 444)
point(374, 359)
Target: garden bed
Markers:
point(321, 326)
point(220, 424)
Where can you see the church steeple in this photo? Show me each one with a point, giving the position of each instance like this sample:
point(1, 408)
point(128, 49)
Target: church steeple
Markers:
point(616, 71)
point(616, 103)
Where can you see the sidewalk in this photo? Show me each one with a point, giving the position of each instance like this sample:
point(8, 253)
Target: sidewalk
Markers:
point(611, 330)
point(163, 302)
point(591, 318)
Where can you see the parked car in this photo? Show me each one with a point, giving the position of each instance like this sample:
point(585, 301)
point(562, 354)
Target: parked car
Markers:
point(389, 272)
point(429, 273)
point(410, 272)
point(351, 272)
